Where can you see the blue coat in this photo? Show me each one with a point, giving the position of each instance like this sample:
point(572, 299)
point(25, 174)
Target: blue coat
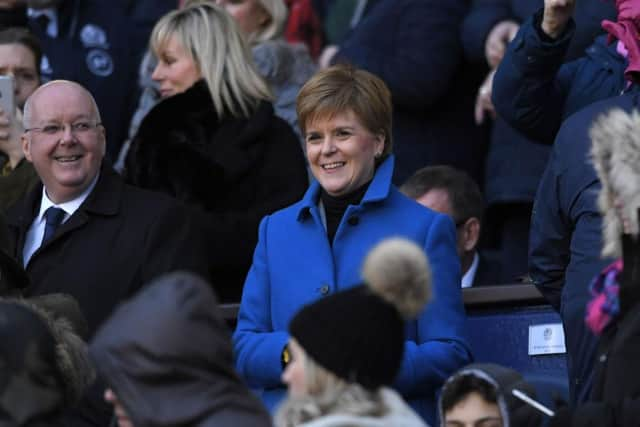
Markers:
point(294, 265)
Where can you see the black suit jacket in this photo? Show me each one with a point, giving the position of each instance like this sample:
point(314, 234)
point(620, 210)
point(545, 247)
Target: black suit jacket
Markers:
point(488, 272)
point(120, 238)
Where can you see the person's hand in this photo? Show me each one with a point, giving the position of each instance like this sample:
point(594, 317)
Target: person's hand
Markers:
point(11, 131)
point(556, 15)
point(497, 40)
point(118, 410)
point(327, 55)
point(484, 106)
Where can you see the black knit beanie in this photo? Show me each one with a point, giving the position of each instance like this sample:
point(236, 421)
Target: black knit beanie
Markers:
point(358, 334)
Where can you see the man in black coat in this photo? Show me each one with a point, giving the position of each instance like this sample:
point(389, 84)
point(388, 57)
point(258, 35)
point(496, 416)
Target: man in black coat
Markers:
point(85, 232)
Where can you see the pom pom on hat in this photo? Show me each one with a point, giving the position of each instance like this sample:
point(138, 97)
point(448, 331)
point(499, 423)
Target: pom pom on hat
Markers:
point(358, 334)
point(399, 272)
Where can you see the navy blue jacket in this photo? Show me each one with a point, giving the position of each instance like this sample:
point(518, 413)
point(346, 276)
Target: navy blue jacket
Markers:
point(534, 92)
point(566, 228)
point(514, 162)
point(484, 14)
point(100, 45)
point(413, 45)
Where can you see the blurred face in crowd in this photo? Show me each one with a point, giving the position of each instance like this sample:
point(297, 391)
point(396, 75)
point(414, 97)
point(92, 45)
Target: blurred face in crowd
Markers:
point(437, 199)
point(118, 410)
point(294, 374)
point(63, 139)
point(42, 4)
point(18, 61)
point(248, 14)
point(473, 411)
point(342, 152)
point(176, 70)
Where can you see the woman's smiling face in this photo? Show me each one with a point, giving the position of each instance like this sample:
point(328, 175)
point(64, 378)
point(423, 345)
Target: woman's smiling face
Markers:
point(342, 152)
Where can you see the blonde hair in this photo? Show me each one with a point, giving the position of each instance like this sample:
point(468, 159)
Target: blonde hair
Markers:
point(278, 14)
point(214, 42)
point(342, 88)
point(327, 394)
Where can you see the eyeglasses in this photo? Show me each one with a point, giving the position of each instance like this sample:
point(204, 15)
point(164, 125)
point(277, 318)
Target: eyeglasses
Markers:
point(54, 129)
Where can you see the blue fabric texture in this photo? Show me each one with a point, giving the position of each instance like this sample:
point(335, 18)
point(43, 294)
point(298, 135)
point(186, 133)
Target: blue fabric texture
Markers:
point(294, 265)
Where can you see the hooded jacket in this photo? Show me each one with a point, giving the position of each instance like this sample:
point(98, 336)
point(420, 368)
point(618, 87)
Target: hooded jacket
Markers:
point(514, 412)
point(166, 354)
point(45, 367)
point(614, 398)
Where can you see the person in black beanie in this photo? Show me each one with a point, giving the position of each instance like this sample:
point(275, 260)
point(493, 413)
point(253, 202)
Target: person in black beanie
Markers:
point(346, 349)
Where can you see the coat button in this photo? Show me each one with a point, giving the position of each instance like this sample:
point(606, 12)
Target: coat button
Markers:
point(603, 358)
point(354, 220)
point(324, 289)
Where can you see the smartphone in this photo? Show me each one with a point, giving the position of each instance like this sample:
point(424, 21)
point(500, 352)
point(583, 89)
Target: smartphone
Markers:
point(7, 95)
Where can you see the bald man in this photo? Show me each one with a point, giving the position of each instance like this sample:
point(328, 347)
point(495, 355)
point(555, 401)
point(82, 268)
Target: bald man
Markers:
point(83, 231)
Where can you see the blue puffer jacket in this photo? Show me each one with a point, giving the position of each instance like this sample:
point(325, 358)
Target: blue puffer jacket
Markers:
point(294, 264)
point(534, 92)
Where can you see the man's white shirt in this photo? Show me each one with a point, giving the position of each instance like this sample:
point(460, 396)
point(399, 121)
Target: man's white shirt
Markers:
point(35, 234)
point(467, 279)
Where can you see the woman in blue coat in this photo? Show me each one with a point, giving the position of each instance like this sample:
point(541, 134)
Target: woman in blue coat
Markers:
point(315, 247)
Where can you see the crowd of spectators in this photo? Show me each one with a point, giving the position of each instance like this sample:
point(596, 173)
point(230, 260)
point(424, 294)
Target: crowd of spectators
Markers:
point(342, 169)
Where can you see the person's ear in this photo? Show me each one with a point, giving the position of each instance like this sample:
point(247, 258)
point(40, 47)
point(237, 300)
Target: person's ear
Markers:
point(471, 234)
point(26, 147)
point(380, 140)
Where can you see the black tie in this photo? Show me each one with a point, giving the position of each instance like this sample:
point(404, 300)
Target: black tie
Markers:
point(53, 217)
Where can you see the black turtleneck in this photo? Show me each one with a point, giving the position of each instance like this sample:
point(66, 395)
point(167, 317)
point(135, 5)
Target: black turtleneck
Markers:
point(335, 206)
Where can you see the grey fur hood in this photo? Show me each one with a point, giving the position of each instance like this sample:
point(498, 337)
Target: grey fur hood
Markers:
point(615, 152)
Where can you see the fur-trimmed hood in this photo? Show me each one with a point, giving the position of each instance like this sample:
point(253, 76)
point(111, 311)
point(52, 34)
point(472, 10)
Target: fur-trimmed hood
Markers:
point(45, 364)
point(615, 152)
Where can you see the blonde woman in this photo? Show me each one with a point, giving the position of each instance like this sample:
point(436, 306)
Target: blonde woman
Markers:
point(214, 141)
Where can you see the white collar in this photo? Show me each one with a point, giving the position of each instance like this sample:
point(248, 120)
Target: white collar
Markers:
point(68, 207)
point(49, 12)
point(467, 278)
